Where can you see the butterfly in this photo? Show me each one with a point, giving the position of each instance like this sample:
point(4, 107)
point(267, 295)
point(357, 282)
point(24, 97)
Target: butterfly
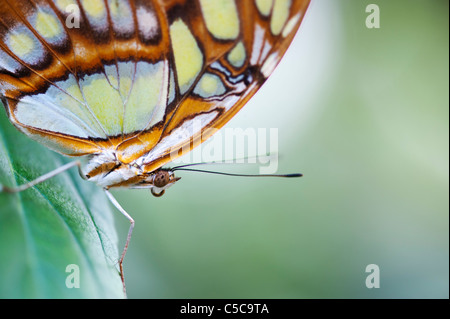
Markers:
point(134, 84)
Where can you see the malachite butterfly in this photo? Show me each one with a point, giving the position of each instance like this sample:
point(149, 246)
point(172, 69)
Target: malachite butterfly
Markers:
point(132, 83)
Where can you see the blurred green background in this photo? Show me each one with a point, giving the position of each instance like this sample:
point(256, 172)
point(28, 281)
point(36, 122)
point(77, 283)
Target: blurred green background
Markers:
point(363, 113)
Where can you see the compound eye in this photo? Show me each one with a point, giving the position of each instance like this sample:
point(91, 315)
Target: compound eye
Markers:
point(161, 179)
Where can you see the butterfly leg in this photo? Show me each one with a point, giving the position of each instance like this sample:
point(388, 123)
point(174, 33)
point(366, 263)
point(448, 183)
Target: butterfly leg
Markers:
point(41, 179)
point(130, 231)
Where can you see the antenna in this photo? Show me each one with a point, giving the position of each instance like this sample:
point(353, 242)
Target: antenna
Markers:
point(234, 174)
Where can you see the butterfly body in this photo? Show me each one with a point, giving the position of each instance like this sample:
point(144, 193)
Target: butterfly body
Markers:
point(107, 172)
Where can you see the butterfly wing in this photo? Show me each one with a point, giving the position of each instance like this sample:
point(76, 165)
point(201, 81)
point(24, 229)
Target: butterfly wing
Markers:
point(143, 78)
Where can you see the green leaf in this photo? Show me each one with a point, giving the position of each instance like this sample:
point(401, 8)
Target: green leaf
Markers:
point(63, 221)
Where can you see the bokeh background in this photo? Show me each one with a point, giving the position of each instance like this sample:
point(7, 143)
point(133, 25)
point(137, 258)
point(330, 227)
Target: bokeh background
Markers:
point(363, 113)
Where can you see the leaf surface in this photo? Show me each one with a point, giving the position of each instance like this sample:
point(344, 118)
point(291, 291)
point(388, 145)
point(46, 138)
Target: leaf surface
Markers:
point(53, 232)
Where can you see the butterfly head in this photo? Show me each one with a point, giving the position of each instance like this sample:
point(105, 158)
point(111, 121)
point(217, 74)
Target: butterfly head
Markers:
point(157, 181)
point(161, 180)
